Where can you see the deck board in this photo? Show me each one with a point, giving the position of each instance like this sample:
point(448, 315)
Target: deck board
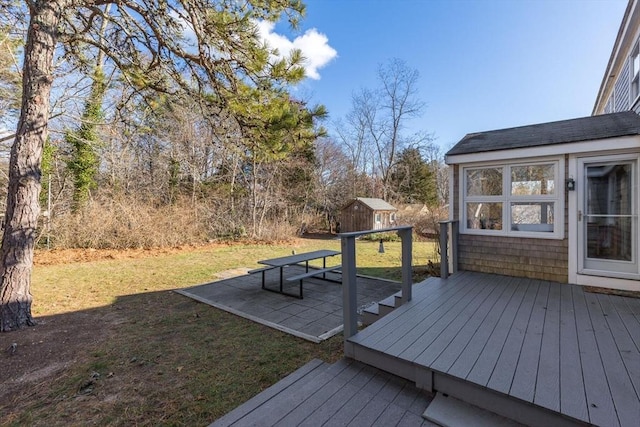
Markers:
point(501, 377)
point(617, 376)
point(488, 332)
point(634, 305)
point(324, 402)
point(559, 348)
point(627, 317)
point(390, 416)
point(573, 401)
point(457, 343)
point(599, 403)
point(425, 297)
point(623, 341)
point(480, 371)
point(471, 315)
point(370, 413)
point(547, 390)
point(326, 407)
point(385, 335)
point(412, 344)
point(275, 409)
point(524, 379)
point(345, 393)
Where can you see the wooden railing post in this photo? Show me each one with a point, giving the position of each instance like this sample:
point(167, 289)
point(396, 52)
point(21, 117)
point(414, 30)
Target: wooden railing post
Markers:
point(406, 237)
point(349, 294)
point(444, 254)
point(454, 246)
point(349, 285)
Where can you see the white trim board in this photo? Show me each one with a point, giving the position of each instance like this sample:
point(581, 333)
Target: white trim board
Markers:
point(592, 146)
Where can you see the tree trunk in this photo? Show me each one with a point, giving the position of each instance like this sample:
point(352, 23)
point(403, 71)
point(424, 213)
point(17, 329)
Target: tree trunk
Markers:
point(23, 207)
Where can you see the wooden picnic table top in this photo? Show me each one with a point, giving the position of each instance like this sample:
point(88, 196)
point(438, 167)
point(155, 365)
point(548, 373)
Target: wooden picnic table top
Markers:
point(297, 258)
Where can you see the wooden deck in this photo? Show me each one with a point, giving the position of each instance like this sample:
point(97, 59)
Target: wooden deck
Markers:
point(346, 393)
point(537, 352)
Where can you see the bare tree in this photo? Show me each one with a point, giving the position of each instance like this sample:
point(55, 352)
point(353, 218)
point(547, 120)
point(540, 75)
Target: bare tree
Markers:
point(375, 128)
point(398, 103)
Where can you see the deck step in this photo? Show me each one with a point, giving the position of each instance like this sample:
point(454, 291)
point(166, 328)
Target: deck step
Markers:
point(377, 311)
point(450, 412)
point(398, 298)
point(303, 375)
point(346, 392)
point(370, 314)
point(386, 306)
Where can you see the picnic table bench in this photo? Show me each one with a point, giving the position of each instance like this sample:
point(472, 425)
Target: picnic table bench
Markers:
point(297, 259)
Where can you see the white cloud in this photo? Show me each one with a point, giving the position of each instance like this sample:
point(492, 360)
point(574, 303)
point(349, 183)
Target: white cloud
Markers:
point(314, 46)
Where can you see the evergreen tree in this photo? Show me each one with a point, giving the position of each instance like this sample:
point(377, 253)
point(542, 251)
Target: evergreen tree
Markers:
point(219, 58)
point(413, 179)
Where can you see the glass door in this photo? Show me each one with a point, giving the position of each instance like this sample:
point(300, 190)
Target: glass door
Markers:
point(609, 216)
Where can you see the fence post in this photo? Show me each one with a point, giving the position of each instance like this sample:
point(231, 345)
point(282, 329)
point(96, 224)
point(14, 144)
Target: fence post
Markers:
point(444, 255)
point(349, 295)
point(406, 237)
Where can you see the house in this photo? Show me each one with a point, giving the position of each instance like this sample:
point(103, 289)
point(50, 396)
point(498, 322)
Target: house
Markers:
point(558, 201)
point(620, 87)
point(534, 205)
point(364, 213)
point(554, 201)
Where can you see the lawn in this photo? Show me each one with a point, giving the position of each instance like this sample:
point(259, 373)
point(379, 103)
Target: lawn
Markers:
point(114, 345)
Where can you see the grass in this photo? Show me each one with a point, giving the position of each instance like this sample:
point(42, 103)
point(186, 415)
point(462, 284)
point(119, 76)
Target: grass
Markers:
point(69, 287)
point(142, 355)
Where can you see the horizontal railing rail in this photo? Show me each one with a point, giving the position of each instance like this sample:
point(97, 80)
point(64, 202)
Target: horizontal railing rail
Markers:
point(349, 286)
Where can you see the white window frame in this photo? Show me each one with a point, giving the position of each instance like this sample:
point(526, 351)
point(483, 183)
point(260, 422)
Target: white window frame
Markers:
point(634, 75)
point(507, 198)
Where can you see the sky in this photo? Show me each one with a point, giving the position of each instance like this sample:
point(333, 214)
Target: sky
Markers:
point(483, 64)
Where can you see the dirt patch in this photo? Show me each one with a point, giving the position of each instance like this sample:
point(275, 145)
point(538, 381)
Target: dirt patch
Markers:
point(33, 356)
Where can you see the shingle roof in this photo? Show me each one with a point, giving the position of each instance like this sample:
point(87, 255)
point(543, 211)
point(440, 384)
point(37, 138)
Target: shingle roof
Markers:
point(562, 132)
point(376, 204)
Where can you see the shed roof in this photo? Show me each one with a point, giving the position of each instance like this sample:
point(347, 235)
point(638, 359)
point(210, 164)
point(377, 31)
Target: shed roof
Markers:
point(561, 132)
point(375, 204)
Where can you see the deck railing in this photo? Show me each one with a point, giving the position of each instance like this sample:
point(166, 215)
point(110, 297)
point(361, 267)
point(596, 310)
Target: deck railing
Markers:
point(448, 248)
point(349, 286)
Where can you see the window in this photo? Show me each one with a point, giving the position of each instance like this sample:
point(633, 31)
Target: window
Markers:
point(378, 218)
point(634, 72)
point(517, 199)
point(532, 198)
point(484, 198)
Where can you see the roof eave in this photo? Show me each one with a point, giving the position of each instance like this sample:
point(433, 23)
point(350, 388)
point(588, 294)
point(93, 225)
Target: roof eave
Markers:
point(609, 76)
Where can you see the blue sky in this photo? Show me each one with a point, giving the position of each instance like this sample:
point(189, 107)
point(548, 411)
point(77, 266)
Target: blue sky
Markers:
point(483, 64)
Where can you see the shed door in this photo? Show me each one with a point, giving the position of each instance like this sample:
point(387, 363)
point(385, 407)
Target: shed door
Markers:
point(608, 215)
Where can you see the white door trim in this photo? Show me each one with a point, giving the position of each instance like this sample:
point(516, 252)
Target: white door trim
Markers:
point(576, 252)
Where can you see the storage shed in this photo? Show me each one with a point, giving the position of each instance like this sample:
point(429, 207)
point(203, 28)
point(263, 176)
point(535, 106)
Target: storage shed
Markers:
point(367, 214)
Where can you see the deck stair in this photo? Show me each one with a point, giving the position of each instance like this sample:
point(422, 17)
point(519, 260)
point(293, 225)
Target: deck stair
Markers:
point(344, 393)
point(380, 309)
point(448, 411)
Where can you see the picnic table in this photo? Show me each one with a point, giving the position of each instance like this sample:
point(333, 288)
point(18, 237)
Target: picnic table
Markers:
point(297, 259)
